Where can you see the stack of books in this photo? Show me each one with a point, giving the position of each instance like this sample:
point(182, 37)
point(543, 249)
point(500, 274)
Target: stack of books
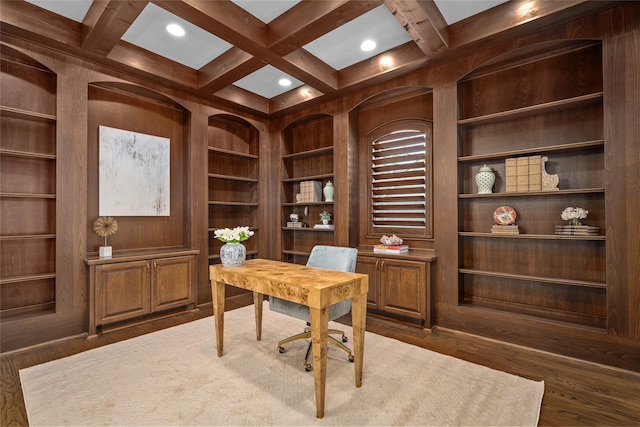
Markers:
point(505, 229)
point(390, 249)
point(325, 226)
point(523, 174)
point(296, 224)
point(310, 191)
point(577, 230)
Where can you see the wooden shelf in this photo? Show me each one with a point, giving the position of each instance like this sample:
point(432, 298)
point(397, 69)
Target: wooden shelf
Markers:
point(529, 236)
point(593, 322)
point(29, 237)
point(540, 279)
point(547, 107)
point(27, 278)
point(25, 114)
point(308, 204)
point(309, 153)
point(224, 203)
point(531, 193)
point(232, 178)
point(309, 229)
point(28, 196)
point(233, 153)
point(308, 178)
point(26, 154)
point(546, 149)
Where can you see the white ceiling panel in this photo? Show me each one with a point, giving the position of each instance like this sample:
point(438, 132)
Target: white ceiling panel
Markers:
point(340, 48)
point(266, 10)
point(264, 82)
point(72, 9)
point(457, 10)
point(195, 49)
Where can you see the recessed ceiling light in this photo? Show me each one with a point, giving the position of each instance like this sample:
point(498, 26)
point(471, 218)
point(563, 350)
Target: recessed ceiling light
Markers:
point(368, 45)
point(175, 30)
point(284, 82)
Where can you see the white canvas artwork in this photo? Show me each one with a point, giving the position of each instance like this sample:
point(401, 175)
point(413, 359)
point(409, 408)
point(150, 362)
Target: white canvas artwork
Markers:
point(134, 173)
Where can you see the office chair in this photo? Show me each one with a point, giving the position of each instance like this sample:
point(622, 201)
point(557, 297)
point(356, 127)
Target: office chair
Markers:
point(330, 258)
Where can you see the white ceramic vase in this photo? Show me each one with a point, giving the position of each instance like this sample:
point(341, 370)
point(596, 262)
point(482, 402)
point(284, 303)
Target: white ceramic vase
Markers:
point(485, 179)
point(328, 191)
point(233, 254)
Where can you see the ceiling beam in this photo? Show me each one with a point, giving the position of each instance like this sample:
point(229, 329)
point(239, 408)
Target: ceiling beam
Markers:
point(238, 27)
point(424, 22)
point(155, 65)
point(106, 22)
point(507, 17)
point(229, 67)
point(27, 17)
point(311, 19)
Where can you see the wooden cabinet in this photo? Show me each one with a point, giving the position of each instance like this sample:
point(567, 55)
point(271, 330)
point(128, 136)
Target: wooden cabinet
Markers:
point(131, 286)
point(398, 288)
point(546, 103)
point(307, 154)
point(27, 187)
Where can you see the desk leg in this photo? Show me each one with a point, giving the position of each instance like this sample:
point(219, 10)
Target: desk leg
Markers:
point(217, 291)
point(358, 321)
point(319, 333)
point(257, 308)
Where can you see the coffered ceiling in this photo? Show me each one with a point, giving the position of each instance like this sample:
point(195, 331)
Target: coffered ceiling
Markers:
point(238, 51)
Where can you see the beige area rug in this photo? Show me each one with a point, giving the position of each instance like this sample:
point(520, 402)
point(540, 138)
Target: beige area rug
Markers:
point(173, 377)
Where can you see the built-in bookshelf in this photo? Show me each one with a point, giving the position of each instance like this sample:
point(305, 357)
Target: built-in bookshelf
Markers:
point(27, 187)
point(546, 103)
point(232, 180)
point(307, 154)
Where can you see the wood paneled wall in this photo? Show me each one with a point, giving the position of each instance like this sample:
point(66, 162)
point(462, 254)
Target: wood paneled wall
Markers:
point(618, 344)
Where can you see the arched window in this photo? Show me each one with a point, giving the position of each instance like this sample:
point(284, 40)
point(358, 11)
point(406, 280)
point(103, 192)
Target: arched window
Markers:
point(400, 179)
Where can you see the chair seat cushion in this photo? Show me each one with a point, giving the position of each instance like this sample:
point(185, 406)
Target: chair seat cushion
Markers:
point(301, 312)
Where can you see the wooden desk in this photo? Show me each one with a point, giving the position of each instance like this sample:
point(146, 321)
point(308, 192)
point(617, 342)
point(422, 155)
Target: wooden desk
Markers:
point(313, 287)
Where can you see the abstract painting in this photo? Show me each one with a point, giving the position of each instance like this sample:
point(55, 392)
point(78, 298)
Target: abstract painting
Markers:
point(134, 173)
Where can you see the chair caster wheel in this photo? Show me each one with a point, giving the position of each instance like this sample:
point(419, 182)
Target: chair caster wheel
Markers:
point(308, 368)
point(281, 349)
point(344, 338)
point(352, 358)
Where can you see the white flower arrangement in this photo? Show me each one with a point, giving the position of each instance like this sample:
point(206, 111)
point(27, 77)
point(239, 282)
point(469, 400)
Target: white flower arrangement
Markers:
point(237, 235)
point(574, 214)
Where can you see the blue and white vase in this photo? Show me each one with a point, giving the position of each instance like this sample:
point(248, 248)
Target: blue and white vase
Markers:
point(233, 254)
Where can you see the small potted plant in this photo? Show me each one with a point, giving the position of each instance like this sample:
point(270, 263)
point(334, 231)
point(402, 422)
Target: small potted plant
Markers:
point(325, 217)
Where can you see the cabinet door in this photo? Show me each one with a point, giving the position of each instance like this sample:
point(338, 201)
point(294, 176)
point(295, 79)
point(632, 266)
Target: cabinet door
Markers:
point(403, 288)
point(172, 284)
point(367, 265)
point(122, 291)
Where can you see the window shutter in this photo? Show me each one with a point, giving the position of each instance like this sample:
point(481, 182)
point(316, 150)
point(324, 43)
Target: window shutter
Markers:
point(399, 185)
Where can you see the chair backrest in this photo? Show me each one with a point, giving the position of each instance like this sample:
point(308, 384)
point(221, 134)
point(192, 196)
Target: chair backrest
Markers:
point(336, 258)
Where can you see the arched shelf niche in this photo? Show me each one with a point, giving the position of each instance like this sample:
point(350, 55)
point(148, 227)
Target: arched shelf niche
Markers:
point(134, 108)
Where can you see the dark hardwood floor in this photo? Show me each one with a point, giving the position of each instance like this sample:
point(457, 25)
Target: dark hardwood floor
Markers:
point(576, 392)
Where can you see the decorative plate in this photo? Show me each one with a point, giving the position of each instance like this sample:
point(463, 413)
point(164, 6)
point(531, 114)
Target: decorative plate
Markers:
point(504, 215)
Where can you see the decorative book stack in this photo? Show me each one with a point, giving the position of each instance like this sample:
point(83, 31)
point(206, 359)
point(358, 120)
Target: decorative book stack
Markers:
point(577, 230)
point(325, 226)
point(505, 229)
point(390, 249)
point(523, 174)
point(310, 191)
point(295, 224)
